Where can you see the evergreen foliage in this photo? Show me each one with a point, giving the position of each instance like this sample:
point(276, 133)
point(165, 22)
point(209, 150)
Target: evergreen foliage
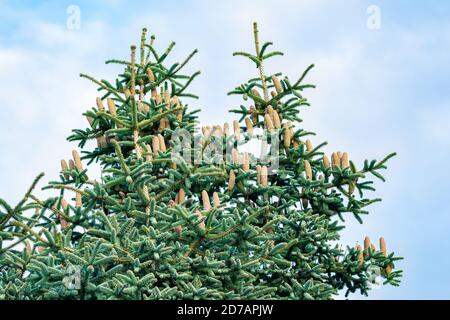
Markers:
point(158, 227)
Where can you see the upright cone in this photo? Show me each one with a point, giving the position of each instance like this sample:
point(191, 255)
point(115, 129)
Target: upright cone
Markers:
point(64, 168)
point(309, 146)
point(344, 160)
point(264, 178)
point(200, 216)
point(366, 246)
point(231, 180)
point(226, 129)
point(249, 125)
point(100, 104)
point(246, 163)
point(155, 145)
point(150, 75)
point(276, 120)
point(77, 160)
point(205, 200)
point(181, 196)
point(277, 84)
point(335, 160)
point(286, 136)
point(360, 256)
point(78, 201)
point(326, 161)
point(237, 129)
point(216, 200)
point(268, 122)
point(258, 174)
point(383, 249)
point(308, 170)
point(162, 144)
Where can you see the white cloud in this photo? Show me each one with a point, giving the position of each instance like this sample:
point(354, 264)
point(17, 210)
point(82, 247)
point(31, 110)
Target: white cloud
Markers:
point(42, 98)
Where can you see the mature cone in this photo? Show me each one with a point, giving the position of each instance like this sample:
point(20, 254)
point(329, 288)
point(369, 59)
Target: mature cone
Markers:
point(205, 199)
point(277, 84)
point(264, 178)
point(326, 161)
point(366, 246)
point(231, 180)
point(308, 170)
point(77, 160)
point(64, 168)
point(216, 199)
point(249, 125)
point(309, 146)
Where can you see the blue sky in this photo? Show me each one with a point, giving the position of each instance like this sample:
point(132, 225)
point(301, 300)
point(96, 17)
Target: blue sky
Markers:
point(377, 91)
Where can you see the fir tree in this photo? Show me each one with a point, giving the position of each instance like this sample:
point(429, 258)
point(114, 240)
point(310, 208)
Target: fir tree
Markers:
point(155, 226)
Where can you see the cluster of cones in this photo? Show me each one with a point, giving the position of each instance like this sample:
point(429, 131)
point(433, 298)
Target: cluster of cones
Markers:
point(362, 253)
point(75, 162)
point(181, 197)
point(102, 139)
point(338, 159)
point(160, 97)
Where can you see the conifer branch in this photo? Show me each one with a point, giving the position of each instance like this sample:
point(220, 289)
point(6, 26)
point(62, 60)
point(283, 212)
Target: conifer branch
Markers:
point(153, 227)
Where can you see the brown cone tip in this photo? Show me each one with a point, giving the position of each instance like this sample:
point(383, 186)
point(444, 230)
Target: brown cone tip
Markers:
point(277, 84)
point(155, 145)
point(326, 161)
point(181, 196)
point(226, 128)
point(150, 75)
point(216, 199)
point(258, 174)
point(28, 248)
point(276, 119)
point(308, 170)
point(99, 104)
point(344, 160)
point(77, 160)
point(205, 200)
point(268, 122)
point(78, 201)
point(231, 180)
point(200, 216)
point(366, 245)
point(335, 160)
point(64, 166)
point(162, 144)
point(264, 178)
point(383, 246)
point(249, 125)
point(246, 165)
point(178, 230)
point(309, 146)
point(64, 203)
point(255, 92)
point(360, 255)
point(286, 135)
point(237, 129)
point(111, 107)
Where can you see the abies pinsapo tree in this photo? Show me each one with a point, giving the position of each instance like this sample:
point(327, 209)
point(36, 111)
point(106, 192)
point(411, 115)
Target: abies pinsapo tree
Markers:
point(157, 226)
